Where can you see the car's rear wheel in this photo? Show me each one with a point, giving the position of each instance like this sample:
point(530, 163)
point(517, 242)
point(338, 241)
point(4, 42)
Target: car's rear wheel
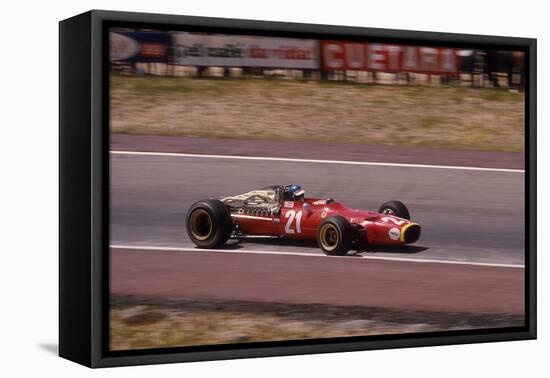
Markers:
point(334, 236)
point(396, 208)
point(209, 223)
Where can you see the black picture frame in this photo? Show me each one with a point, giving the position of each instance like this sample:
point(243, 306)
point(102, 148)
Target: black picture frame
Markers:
point(84, 190)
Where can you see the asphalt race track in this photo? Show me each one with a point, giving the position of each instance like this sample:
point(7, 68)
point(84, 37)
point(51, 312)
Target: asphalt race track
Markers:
point(290, 279)
point(472, 227)
point(474, 216)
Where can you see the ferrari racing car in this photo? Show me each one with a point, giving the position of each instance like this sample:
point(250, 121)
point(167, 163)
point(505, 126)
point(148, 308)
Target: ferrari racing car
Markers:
point(283, 211)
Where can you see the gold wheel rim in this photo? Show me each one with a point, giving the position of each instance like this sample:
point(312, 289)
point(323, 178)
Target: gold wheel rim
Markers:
point(328, 237)
point(200, 224)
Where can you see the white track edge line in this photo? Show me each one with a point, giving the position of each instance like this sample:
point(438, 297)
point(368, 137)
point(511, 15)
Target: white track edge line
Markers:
point(257, 252)
point(344, 162)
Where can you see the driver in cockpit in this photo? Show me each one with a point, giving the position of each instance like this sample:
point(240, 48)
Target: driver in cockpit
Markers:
point(294, 193)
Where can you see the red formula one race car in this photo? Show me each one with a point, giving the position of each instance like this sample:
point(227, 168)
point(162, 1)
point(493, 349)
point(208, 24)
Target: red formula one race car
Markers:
point(282, 211)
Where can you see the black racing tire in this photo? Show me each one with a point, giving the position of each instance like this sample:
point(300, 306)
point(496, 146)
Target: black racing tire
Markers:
point(396, 208)
point(209, 223)
point(334, 236)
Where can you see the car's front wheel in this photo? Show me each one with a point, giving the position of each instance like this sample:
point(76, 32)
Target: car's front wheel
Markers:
point(334, 236)
point(396, 208)
point(209, 223)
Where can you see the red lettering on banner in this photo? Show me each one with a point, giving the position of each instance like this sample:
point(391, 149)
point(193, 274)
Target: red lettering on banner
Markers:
point(394, 57)
point(333, 55)
point(338, 55)
point(152, 50)
point(355, 56)
point(257, 52)
point(428, 58)
point(377, 57)
point(410, 59)
point(289, 53)
point(448, 60)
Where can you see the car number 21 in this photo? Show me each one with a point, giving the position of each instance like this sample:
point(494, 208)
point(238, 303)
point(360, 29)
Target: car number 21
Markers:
point(293, 215)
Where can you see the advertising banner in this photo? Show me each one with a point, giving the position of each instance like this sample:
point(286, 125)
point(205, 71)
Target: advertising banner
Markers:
point(139, 47)
point(339, 55)
point(245, 51)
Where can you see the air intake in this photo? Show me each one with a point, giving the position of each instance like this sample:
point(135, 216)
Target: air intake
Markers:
point(411, 233)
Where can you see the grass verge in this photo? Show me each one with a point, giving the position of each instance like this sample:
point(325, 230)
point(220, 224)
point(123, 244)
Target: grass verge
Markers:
point(437, 117)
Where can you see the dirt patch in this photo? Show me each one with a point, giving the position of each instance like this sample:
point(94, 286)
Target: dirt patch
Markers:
point(138, 322)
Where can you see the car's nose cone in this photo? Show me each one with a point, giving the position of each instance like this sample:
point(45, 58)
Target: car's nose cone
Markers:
point(410, 233)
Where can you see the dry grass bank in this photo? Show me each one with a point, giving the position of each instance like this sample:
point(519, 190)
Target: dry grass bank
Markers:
point(440, 117)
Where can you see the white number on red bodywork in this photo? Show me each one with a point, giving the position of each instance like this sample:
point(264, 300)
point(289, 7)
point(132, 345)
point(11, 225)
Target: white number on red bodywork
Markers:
point(397, 222)
point(291, 215)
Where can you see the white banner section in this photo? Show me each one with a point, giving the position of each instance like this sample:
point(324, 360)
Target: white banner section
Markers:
point(245, 51)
